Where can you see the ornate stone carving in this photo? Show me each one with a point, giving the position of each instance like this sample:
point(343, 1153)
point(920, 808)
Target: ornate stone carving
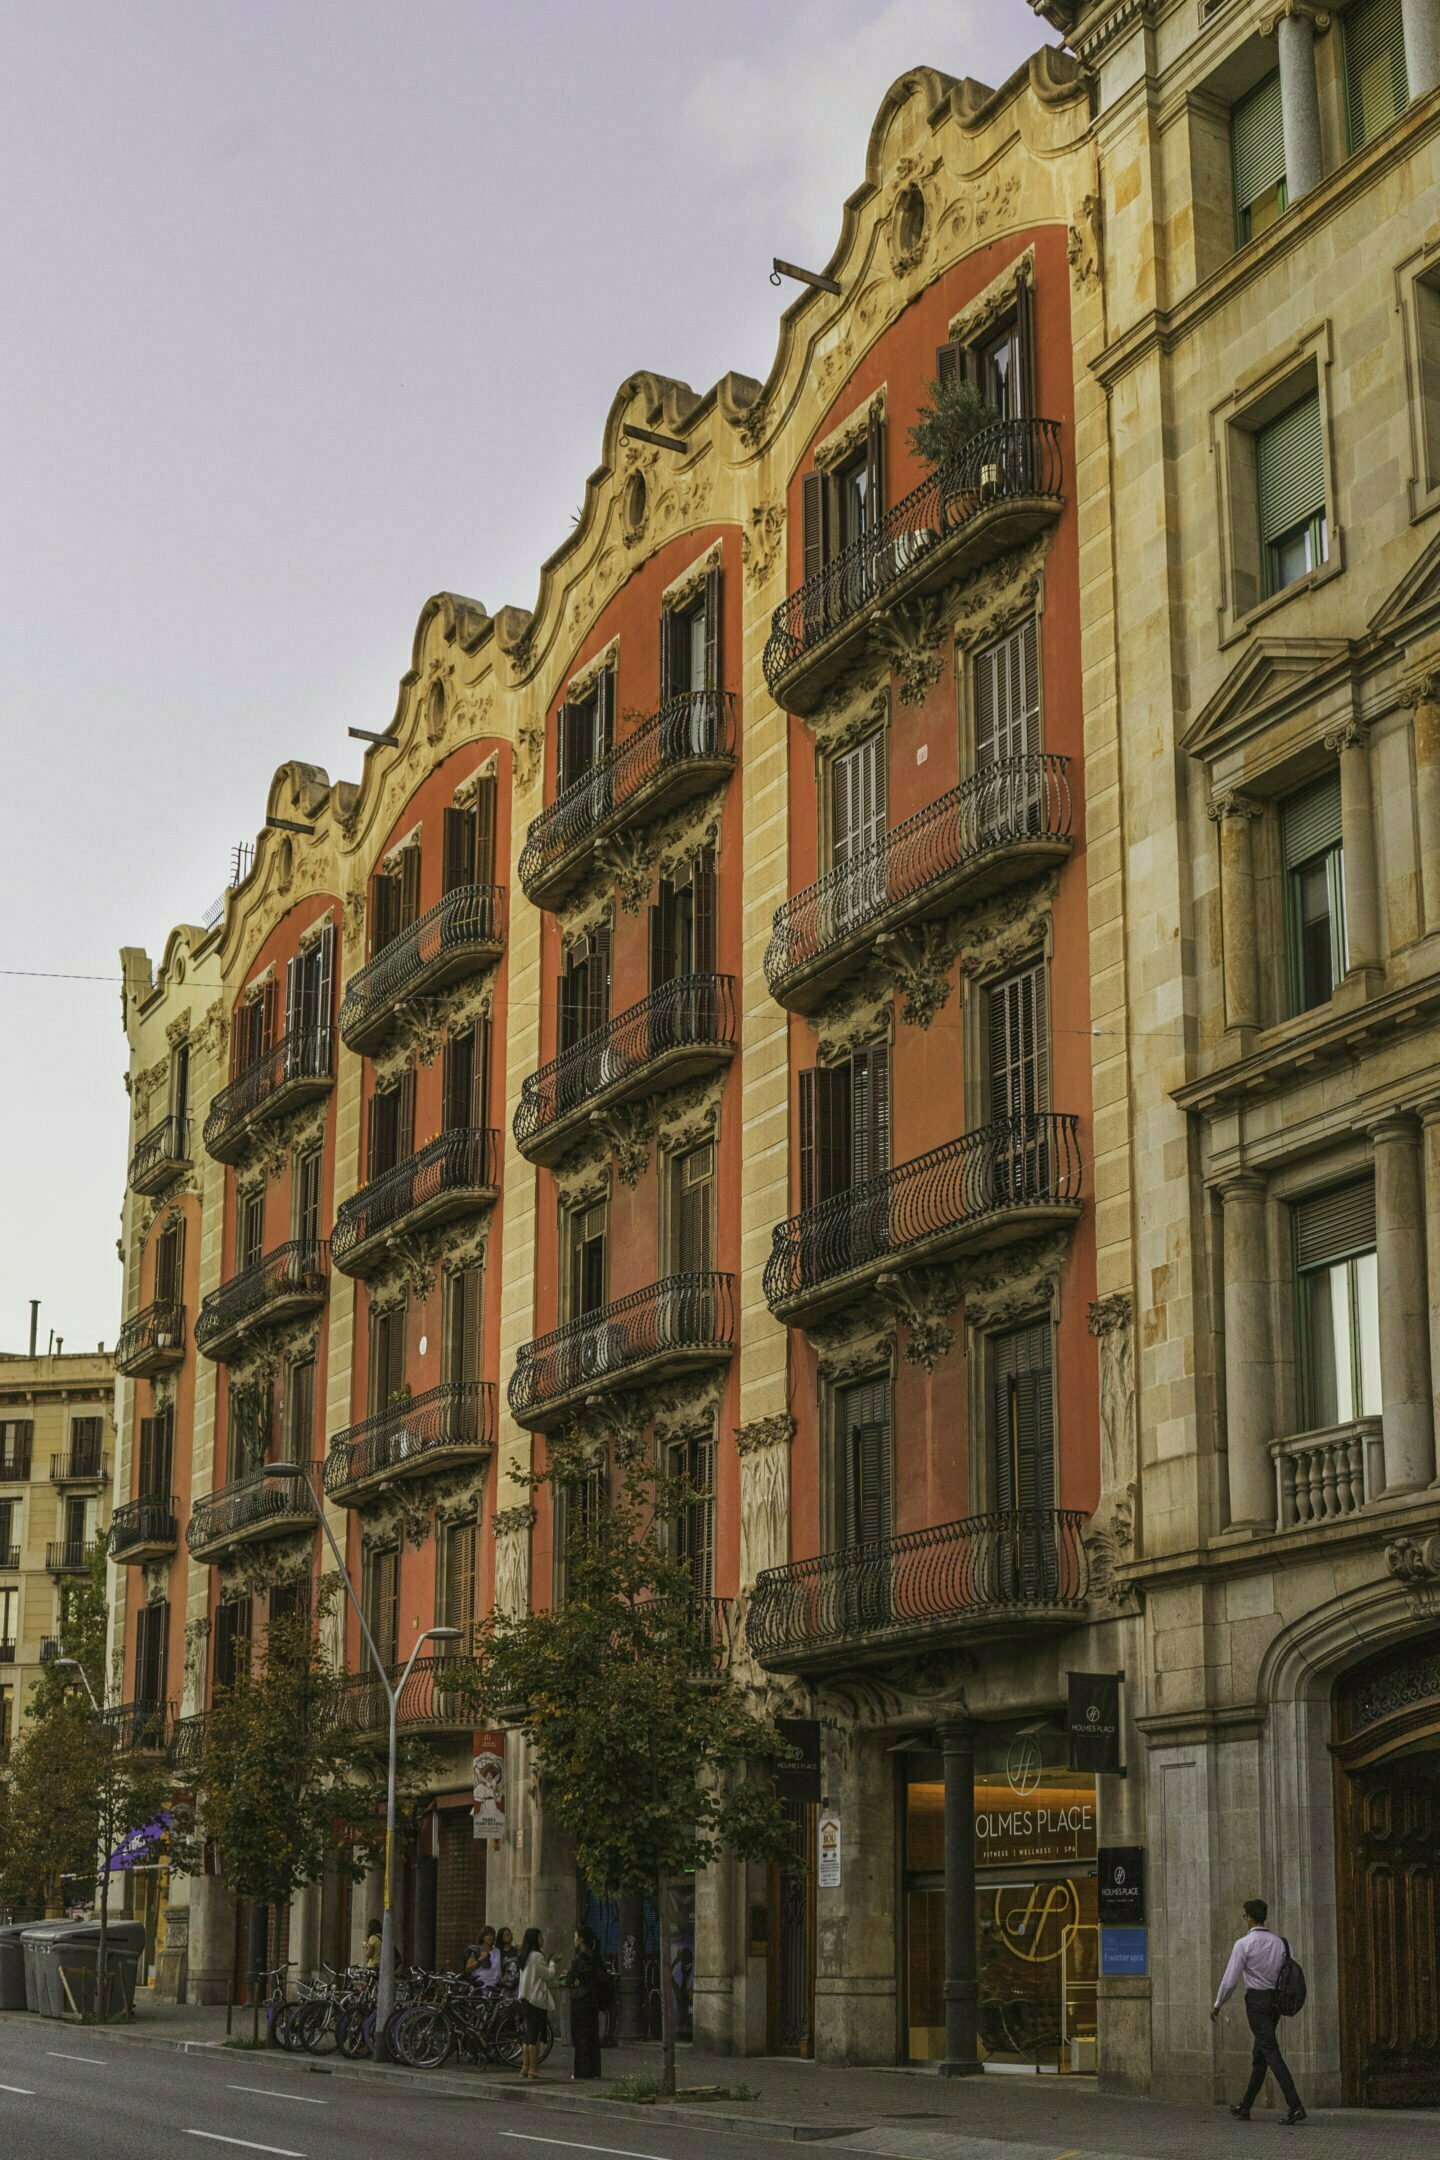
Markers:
point(689, 585)
point(1000, 933)
point(1083, 248)
point(529, 752)
point(690, 1115)
point(996, 299)
point(854, 1343)
point(583, 1176)
point(629, 1128)
point(408, 1270)
point(147, 1085)
point(583, 681)
point(776, 1431)
point(924, 1298)
point(679, 1411)
point(629, 862)
point(253, 1570)
point(512, 1560)
point(589, 909)
point(1108, 1542)
point(1002, 1288)
point(834, 448)
point(764, 1449)
point(397, 1513)
point(178, 1029)
point(353, 919)
point(859, 1013)
point(920, 959)
point(1230, 803)
point(849, 714)
point(1414, 1563)
point(999, 595)
point(760, 543)
point(197, 1635)
point(1110, 1321)
point(911, 636)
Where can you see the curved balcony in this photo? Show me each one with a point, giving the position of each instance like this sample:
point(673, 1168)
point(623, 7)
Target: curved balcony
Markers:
point(1007, 1180)
point(152, 1340)
point(296, 1070)
point(671, 1326)
point(1001, 490)
point(447, 1425)
point(684, 1027)
point(1006, 823)
point(429, 1702)
point(680, 751)
point(161, 1155)
point(982, 1579)
point(147, 1529)
point(246, 1513)
point(289, 1282)
point(464, 932)
point(455, 1175)
point(187, 1742)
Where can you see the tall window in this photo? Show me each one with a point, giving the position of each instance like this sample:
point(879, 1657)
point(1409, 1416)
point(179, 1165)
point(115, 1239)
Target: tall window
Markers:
point(9, 1623)
point(584, 732)
point(1022, 1419)
point(170, 1262)
point(9, 1533)
point(469, 840)
point(1290, 495)
point(387, 1358)
point(1257, 158)
point(689, 670)
point(391, 1137)
point(309, 1171)
point(863, 1463)
point(77, 1521)
point(250, 1230)
point(180, 1083)
point(229, 1642)
point(310, 997)
point(839, 507)
point(1002, 365)
point(1017, 1042)
point(682, 922)
point(691, 1465)
point(1314, 858)
point(455, 1585)
point(575, 1506)
point(586, 1240)
point(7, 1718)
point(252, 1028)
point(300, 1411)
point(394, 899)
point(692, 1211)
point(1376, 86)
point(1339, 1315)
point(844, 1124)
point(857, 799)
point(1007, 696)
point(16, 1441)
point(152, 1642)
point(382, 1600)
point(585, 989)
point(466, 1080)
point(249, 1426)
point(157, 1454)
point(464, 1306)
point(87, 1436)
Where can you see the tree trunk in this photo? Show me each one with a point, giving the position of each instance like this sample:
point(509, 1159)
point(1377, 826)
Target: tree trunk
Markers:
point(667, 1992)
point(107, 1838)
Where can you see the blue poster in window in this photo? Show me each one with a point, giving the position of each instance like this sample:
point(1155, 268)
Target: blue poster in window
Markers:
point(1124, 1953)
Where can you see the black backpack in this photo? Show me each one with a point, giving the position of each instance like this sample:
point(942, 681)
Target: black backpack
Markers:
point(1290, 1989)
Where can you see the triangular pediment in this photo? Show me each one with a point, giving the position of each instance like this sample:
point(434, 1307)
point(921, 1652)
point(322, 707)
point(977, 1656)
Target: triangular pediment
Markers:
point(1412, 611)
point(1275, 676)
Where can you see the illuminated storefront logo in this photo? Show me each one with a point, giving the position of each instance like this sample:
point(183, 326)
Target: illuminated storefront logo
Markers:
point(1037, 1921)
point(1048, 1824)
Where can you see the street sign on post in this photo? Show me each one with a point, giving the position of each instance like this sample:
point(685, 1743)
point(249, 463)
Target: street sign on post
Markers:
point(1094, 1722)
point(1120, 1885)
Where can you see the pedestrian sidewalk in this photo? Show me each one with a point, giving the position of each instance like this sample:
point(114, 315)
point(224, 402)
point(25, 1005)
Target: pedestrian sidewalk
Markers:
point(905, 2114)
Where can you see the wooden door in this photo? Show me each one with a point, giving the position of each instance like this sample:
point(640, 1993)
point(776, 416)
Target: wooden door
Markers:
point(1388, 1840)
point(790, 1993)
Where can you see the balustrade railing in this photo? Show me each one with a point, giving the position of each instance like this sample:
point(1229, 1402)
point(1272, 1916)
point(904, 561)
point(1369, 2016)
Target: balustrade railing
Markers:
point(1014, 460)
point(251, 1503)
point(162, 1150)
point(696, 727)
point(457, 1414)
point(1016, 1561)
point(154, 1335)
point(144, 1525)
point(466, 1160)
point(1003, 805)
point(296, 1270)
point(1030, 1160)
point(1322, 1475)
point(684, 1313)
point(469, 919)
point(691, 1013)
point(303, 1055)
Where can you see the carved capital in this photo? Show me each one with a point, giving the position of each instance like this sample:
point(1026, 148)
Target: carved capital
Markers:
point(765, 1432)
point(924, 1298)
point(1109, 1313)
point(1271, 20)
point(514, 1521)
point(1351, 735)
point(1414, 1563)
point(1421, 688)
point(1230, 803)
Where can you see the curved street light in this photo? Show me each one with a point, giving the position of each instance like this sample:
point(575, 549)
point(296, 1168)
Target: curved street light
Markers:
point(296, 1473)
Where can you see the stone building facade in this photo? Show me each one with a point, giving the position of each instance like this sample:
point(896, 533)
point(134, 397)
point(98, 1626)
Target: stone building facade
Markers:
point(833, 991)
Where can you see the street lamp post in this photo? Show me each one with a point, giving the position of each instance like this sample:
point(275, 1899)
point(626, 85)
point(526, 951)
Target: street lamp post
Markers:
point(295, 1473)
point(107, 1833)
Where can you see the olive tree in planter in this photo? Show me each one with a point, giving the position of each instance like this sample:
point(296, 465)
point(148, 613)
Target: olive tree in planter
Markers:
point(953, 414)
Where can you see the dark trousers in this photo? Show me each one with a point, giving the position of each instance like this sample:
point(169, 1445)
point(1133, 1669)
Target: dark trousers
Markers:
point(585, 2036)
point(1260, 2010)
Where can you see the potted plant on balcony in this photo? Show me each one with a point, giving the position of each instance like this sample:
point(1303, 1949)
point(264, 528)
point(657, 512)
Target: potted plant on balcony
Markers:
point(406, 1441)
point(954, 413)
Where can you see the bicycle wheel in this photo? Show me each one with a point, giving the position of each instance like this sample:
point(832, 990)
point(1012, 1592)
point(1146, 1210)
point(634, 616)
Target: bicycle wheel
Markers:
point(423, 2037)
point(350, 2032)
point(287, 2026)
point(316, 2028)
point(507, 2037)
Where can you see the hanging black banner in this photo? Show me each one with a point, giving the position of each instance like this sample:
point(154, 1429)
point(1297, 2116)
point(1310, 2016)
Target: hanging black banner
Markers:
point(798, 1773)
point(1094, 1721)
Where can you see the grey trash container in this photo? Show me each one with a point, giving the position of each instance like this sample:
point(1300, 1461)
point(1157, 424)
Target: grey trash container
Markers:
point(36, 1942)
point(72, 1952)
point(12, 1966)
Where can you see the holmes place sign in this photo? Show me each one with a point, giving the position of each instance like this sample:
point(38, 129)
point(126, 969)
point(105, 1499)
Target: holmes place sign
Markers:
point(1048, 1825)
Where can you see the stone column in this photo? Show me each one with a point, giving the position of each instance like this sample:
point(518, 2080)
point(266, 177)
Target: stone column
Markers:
point(1422, 695)
point(962, 1981)
point(1404, 1316)
point(1430, 1152)
point(1249, 1355)
point(1420, 21)
point(1357, 827)
point(1233, 814)
point(1293, 25)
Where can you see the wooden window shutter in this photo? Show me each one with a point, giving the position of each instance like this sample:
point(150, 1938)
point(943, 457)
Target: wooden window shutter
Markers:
point(662, 936)
point(562, 748)
point(950, 363)
point(382, 912)
point(597, 977)
point(458, 1077)
point(1019, 1045)
point(405, 1118)
point(480, 1082)
point(409, 886)
point(870, 1111)
point(148, 1487)
point(809, 1152)
point(875, 469)
point(834, 1142)
point(712, 627)
point(1335, 1225)
point(703, 901)
point(814, 507)
point(325, 977)
point(269, 1001)
point(1022, 1440)
point(455, 850)
point(604, 711)
point(487, 791)
point(668, 640)
point(1025, 348)
point(295, 994)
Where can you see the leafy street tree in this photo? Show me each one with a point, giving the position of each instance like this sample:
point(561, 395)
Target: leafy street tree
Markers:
point(650, 1761)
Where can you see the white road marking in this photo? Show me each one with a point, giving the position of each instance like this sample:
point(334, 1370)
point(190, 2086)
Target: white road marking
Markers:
point(270, 2093)
point(623, 2151)
point(28, 2090)
point(285, 2151)
point(101, 2062)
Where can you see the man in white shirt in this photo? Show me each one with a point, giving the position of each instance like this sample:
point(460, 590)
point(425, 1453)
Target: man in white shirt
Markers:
point(1256, 1960)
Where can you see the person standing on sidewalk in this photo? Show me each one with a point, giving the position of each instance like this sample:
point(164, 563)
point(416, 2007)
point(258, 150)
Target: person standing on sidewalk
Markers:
point(537, 2003)
point(1256, 1959)
point(584, 1980)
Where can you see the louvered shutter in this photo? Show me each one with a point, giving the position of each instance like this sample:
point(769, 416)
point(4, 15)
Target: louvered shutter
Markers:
point(1290, 469)
point(1310, 822)
point(1257, 143)
point(834, 1114)
point(405, 1118)
point(597, 980)
point(1024, 402)
point(1023, 1439)
point(950, 364)
point(874, 469)
point(604, 712)
point(870, 1113)
point(480, 1081)
point(459, 1080)
point(703, 901)
point(382, 912)
point(1007, 697)
point(562, 748)
point(148, 1445)
point(814, 504)
point(1335, 1225)
point(670, 684)
point(485, 813)
point(1018, 1045)
point(269, 1003)
point(409, 886)
point(808, 1142)
point(865, 1415)
point(662, 936)
point(1376, 84)
point(456, 837)
point(695, 1226)
point(295, 995)
point(324, 964)
point(712, 628)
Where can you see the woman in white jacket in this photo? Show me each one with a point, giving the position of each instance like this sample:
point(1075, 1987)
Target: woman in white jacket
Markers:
point(537, 2000)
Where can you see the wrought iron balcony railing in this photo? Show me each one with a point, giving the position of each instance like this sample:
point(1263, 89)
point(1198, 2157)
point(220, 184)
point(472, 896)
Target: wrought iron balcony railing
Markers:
point(464, 931)
point(983, 1575)
point(145, 1529)
point(82, 1466)
point(451, 1176)
point(1002, 488)
point(1006, 1180)
point(427, 1432)
point(139, 1728)
point(294, 1070)
point(429, 1700)
point(681, 1028)
point(152, 1339)
point(681, 749)
point(160, 1155)
point(252, 1508)
point(292, 1279)
point(684, 1320)
point(1006, 822)
point(187, 1741)
point(68, 1556)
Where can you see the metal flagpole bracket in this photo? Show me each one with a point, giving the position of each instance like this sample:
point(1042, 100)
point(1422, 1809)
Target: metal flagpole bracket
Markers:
point(365, 734)
point(645, 434)
point(285, 824)
point(805, 277)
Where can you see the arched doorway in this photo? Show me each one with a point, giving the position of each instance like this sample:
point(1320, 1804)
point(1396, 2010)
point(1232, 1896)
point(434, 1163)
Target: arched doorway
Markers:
point(1387, 1844)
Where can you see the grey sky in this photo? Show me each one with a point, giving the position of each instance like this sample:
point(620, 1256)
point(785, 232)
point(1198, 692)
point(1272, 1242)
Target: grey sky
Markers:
point(312, 310)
